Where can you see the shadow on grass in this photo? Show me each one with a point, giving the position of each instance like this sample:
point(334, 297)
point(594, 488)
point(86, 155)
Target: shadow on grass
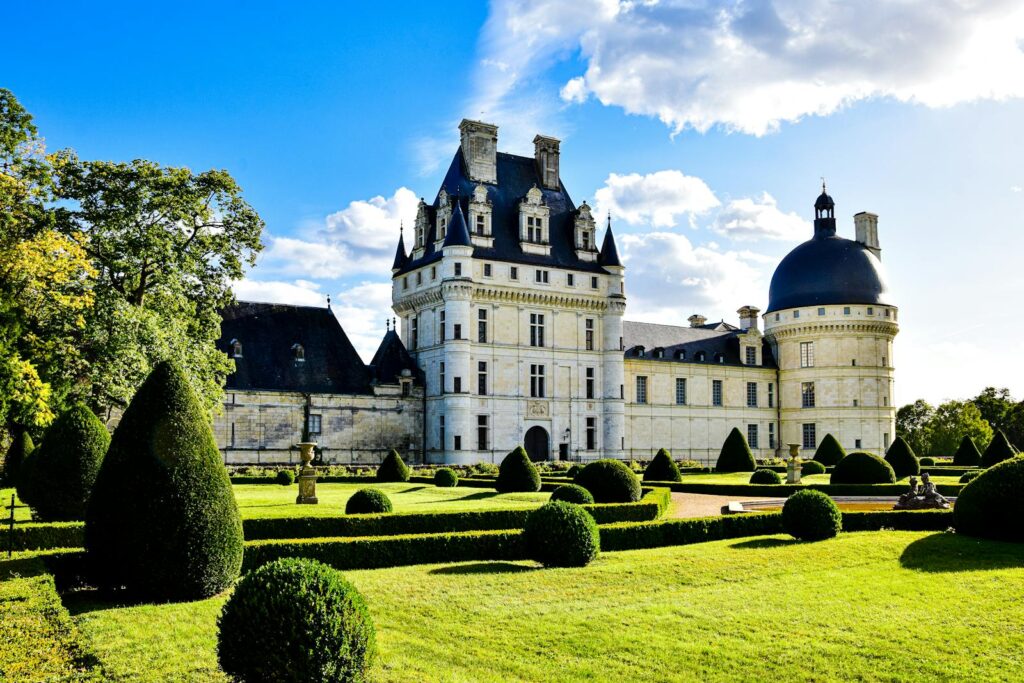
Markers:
point(947, 552)
point(86, 600)
point(413, 489)
point(479, 495)
point(23, 567)
point(485, 568)
point(761, 543)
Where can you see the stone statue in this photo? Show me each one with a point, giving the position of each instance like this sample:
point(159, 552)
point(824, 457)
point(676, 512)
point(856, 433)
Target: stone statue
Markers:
point(922, 497)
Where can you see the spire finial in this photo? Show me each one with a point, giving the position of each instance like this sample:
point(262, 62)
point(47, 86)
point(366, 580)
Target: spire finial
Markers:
point(328, 302)
point(394, 323)
point(823, 184)
point(609, 218)
point(401, 227)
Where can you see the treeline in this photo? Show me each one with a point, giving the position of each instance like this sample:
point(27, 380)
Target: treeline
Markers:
point(937, 430)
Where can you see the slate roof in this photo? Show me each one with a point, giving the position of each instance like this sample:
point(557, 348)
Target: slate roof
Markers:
point(516, 175)
point(391, 358)
point(268, 333)
point(713, 338)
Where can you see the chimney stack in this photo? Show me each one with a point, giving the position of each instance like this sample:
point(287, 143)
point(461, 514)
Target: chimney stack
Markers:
point(480, 150)
point(748, 317)
point(545, 152)
point(696, 320)
point(866, 228)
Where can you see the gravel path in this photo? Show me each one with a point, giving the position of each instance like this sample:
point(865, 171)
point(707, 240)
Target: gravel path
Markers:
point(700, 505)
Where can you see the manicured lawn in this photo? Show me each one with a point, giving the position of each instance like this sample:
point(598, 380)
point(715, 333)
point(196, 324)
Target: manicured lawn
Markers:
point(271, 500)
point(21, 514)
point(865, 606)
point(744, 477)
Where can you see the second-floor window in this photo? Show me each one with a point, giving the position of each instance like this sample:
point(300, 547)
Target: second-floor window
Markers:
point(641, 389)
point(751, 394)
point(414, 327)
point(771, 394)
point(810, 436)
point(589, 333)
point(536, 329)
point(481, 325)
point(440, 377)
point(716, 392)
point(807, 354)
point(680, 391)
point(481, 378)
point(457, 331)
point(457, 385)
point(441, 331)
point(537, 381)
point(807, 394)
point(589, 382)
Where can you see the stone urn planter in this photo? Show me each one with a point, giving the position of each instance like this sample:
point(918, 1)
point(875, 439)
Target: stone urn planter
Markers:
point(793, 466)
point(307, 475)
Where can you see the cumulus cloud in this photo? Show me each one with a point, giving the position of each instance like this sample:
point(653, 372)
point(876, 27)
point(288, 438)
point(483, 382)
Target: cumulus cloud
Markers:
point(575, 91)
point(363, 310)
point(299, 293)
point(751, 219)
point(656, 198)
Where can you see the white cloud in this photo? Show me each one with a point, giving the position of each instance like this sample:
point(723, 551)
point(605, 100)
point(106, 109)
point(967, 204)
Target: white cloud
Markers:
point(574, 91)
point(656, 198)
point(299, 293)
point(373, 223)
point(749, 219)
point(363, 310)
point(1016, 189)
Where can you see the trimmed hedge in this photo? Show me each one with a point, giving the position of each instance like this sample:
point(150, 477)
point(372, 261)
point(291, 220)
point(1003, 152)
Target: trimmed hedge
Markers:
point(811, 516)
point(999, 449)
point(967, 454)
point(295, 620)
point(573, 471)
point(991, 506)
point(765, 476)
point(902, 459)
point(284, 477)
point(43, 536)
point(662, 468)
point(446, 478)
point(610, 481)
point(829, 452)
point(517, 473)
point(21, 447)
point(926, 462)
point(561, 534)
point(368, 501)
point(863, 468)
point(786, 489)
point(811, 467)
point(572, 493)
point(393, 469)
point(735, 455)
point(901, 520)
point(162, 521)
point(968, 477)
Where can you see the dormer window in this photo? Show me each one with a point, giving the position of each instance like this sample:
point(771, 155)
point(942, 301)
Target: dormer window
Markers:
point(701, 357)
point(534, 229)
point(422, 221)
point(236, 348)
point(533, 223)
point(480, 218)
point(719, 358)
point(659, 352)
point(298, 353)
point(681, 354)
point(584, 230)
point(444, 213)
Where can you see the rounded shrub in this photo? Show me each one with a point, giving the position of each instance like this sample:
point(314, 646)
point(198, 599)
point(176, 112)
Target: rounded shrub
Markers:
point(902, 458)
point(968, 477)
point(573, 471)
point(560, 534)
point(66, 463)
point(926, 461)
point(610, 481)
point(393, 468)
point(991, 506)
point(863, 468)
point(162, 521)
point(812, 467)
point(446, 478)
point(735, 455)
point(572, 493)
point(517, 473)
point(368, 501)
point(662, 468)
point(21, 447)
point(999, 449)
point(829, 451)
point(811, 515)
point(765, 476)
point(295, 620)
point(967, 454)
point(285, 477)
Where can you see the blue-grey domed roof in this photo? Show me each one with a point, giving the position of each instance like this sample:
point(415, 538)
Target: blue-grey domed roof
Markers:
point(828, 270)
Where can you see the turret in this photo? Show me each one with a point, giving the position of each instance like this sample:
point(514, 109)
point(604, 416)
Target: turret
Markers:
point(400, 256)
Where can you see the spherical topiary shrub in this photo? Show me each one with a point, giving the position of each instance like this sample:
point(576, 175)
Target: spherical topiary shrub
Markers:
point(999, 449)
point(967, 454)
point(517, 473)
point(295, 620)
point(285, 477)
point(572, 493)
point(902, 458)
point(765, 476)
point(970, 476)
point(393, 468)
point(863, 468)
point(662, 468)
point(573, 471)
point(21, 447)
point(926, 462)
point(162, 520)
point(368, 502)
point(446, 478)
point(811, 516)
point(560, 534)
point(829, 452)
point(735, 455)
point(811, 467)
point(991, 506)
point(610, 481)
point(66, 463)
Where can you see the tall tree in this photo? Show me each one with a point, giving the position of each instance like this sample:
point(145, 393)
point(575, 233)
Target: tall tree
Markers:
point(1004, 413)
point(913, 424)
point(952, 421)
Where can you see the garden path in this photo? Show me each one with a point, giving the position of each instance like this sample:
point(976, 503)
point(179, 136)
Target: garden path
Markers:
point(686, 505)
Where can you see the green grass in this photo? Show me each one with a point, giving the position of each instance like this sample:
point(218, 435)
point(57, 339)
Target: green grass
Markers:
point(271, 500)
point(865, 606)
point(744, 478)
point(21, 514)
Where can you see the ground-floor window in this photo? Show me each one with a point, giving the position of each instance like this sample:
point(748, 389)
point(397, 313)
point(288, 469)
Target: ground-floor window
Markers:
point(771, 435)
point(313, 424)
point(440, 432)
point(752, 436)
point(856, 444)
point(591, 433)
point(481, 432)
point(810, 438)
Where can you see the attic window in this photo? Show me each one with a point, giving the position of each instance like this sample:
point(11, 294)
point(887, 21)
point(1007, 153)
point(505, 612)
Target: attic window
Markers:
point(719, 358)
point(236, 348)
point(681, 354)
point(640, 351)
point(659, 353)
point(701, 356)
point(298, 353)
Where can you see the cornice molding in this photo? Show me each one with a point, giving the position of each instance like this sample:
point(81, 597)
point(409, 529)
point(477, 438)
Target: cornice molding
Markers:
point(831, 327)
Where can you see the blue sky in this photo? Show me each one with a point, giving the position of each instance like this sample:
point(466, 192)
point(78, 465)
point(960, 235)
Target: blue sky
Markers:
point(703, 127)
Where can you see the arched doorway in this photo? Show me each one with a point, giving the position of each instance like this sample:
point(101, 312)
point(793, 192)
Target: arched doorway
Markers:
point(536, 444)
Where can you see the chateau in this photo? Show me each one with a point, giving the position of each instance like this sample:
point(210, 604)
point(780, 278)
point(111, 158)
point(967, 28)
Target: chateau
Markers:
point(513, 329)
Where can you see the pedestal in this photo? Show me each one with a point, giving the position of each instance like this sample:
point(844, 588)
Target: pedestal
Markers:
point(793, 467)
point(307, 476)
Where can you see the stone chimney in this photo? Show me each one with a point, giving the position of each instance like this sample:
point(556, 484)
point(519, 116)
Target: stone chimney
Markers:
point(696, 320)
point(545, 152)
point(748, 317)
point(480, 150)
point(866, 227)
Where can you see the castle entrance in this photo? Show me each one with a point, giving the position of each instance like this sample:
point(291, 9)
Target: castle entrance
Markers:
point(537, 444)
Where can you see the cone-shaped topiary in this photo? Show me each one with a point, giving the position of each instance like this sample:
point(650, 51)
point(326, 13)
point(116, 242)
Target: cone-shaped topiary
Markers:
point(162, 521)
point(863, 468)
point(21, 448)
point(735, 455)
point(902, 458)
point(999, 449)
point(66, 465)
point(967, 454)
point(610, 481)
point(295, 620)
point(560, 534)
point(811, 515)
point(572, 493)
point(991, 506)
point(517, 473)
point(765, 476)
point(811, 467)
point(829, 452)
point(662, 468)
point(393, 468)
point(368, 501)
